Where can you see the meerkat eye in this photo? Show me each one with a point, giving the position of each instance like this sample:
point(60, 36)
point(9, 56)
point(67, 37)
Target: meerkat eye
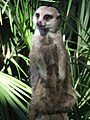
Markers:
point(37, 15)
point(48, 17)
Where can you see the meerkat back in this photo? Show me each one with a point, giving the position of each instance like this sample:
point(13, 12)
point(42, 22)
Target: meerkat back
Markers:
point(52, 92)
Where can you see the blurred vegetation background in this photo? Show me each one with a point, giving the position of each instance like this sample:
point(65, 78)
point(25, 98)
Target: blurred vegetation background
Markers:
point(16, 30)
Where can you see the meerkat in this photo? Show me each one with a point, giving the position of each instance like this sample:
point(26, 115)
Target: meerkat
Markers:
point(52, 92)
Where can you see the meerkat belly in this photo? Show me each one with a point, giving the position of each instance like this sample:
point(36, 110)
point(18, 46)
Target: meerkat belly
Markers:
point(51, 60)
point(47, 91)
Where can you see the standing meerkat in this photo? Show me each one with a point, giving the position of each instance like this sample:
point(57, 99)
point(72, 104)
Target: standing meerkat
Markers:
point(52, 92)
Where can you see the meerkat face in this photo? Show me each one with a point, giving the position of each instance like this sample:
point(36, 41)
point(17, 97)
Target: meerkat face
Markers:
point(46, 18)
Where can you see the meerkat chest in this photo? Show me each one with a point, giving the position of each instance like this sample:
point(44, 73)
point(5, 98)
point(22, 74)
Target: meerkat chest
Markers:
point(40, 42)
point(48, 46)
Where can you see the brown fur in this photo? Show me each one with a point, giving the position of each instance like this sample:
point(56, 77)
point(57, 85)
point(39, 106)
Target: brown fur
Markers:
point(50, 70)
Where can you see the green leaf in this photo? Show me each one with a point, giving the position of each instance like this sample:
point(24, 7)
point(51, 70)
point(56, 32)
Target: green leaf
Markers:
point(69, 6)
point(87, 115)
point(13, 91)
point(5, 5)
point(0, 17)
point(17, 65)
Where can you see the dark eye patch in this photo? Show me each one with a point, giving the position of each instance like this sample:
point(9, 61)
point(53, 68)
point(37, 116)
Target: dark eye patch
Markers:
point(48, 17)
point(37, 15)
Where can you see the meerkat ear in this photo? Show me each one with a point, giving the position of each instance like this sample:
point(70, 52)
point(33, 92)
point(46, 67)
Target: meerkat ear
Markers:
point(59, 17)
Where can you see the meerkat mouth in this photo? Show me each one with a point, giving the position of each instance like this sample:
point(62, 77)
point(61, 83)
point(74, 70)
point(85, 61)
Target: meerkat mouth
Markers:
point(42, 27)
point(43, 30)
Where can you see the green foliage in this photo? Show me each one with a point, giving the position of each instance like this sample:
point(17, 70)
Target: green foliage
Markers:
point(15, 43)
point(80, 60)
point(13, 91)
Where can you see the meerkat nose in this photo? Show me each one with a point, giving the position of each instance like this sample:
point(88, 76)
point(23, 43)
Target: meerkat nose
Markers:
point(39, 23)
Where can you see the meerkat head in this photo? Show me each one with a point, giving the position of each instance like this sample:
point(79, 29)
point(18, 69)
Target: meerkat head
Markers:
point(46, 18)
